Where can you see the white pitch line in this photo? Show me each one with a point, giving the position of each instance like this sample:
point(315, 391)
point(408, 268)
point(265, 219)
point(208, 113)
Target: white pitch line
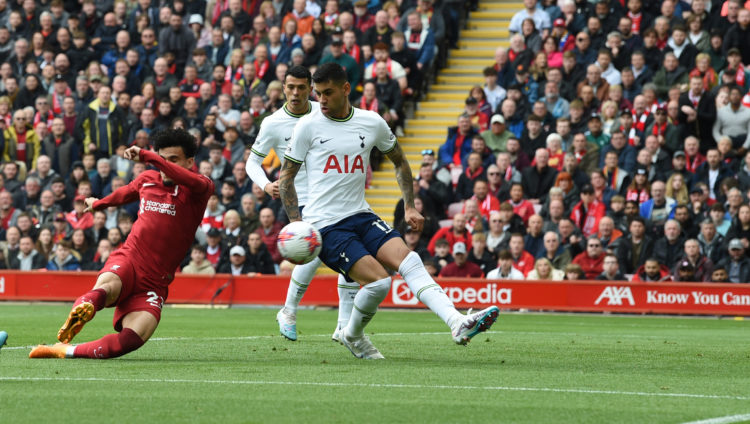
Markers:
point(723, 420)
point(435, 333)
point(376, 385)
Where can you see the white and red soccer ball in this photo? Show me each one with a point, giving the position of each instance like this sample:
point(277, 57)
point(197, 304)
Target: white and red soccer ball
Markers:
point(299, 242)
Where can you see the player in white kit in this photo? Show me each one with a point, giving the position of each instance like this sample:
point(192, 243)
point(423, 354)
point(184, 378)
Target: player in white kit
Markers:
point(275, 133)
point(334, 144)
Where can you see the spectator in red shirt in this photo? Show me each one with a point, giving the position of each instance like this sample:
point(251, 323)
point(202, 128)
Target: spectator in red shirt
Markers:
point(269, 231)
point(592, 260)
point(693, 156)
point(588, 212)
point(363, 19)
point(522, 260)
point(486, 202)
point(190, 85)
point(521, 206)
point(460, 267)
point(453, 234)
point(77, 218)
point(458, 143)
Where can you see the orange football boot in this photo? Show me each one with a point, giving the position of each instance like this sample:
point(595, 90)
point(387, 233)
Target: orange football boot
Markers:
point(79, 316)
point(57, 350)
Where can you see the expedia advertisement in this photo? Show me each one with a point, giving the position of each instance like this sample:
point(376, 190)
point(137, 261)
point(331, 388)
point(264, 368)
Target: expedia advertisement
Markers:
point(668, 298)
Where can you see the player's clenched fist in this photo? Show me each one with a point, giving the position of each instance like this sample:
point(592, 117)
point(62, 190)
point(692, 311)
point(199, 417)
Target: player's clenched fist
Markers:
point(89, 204)
point(132, 153)
point(414, 219)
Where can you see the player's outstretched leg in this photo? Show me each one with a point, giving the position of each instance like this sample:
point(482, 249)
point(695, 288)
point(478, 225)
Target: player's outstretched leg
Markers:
point(366, 303)
point(138, 326)
point(347, 291)
point(83, 311)
point(109, 346)
point(463, 327)
point(287, 316)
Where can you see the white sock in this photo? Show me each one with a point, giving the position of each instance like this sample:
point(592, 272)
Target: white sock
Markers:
point(427, 290)
point(347, 291)
point(301, 277)
point(365, 305)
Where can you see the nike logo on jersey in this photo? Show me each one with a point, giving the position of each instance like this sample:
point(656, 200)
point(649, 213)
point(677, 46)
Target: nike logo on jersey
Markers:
point(148, 184)
point(287, 138)
point(325, 141)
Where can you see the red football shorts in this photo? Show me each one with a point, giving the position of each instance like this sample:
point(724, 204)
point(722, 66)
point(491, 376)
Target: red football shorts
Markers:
point(139, 292)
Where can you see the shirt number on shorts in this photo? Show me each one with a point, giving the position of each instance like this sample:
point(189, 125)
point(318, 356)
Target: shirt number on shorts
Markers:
point(154, 299)
point(382, 226)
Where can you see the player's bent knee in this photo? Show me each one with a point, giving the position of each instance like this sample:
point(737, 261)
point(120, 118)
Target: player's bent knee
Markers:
point(111, 284)
point(366, 270)
point(392, 253)
point(142, 323)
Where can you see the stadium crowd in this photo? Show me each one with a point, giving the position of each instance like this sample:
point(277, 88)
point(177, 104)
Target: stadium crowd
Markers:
point(610, 140)
point(81, 81)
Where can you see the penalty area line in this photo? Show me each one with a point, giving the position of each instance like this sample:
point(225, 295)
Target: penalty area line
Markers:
point(385, 386)
point(723, 420)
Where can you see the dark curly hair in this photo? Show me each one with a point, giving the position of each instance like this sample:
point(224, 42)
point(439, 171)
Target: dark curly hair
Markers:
point(329, 72)
point(174, 137)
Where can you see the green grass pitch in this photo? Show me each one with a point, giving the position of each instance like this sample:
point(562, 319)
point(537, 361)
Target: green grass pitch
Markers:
point(230, 365)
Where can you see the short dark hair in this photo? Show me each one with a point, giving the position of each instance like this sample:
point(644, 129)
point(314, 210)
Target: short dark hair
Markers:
point(679, 27)
point(174, 138)
point(330, 72)
point(516, 235)
point(299, 72)
point(637, 219)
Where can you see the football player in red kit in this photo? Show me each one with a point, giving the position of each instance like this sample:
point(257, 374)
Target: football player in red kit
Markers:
point(136, 277)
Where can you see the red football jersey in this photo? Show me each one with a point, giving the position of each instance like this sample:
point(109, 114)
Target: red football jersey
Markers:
point(168, 215)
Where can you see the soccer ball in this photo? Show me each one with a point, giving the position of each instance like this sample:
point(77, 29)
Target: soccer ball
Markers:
point(299, 242)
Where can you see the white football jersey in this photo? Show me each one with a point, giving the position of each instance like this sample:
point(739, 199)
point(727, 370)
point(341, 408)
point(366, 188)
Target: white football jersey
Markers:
point(275, 133)
point(336, 153)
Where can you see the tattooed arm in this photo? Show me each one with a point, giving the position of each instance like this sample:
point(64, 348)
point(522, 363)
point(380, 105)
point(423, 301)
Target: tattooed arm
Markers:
point(404, 178)
point(287, 191)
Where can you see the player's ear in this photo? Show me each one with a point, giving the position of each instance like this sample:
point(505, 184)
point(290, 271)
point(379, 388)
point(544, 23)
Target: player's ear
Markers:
point(190, 162)
point(347, 88)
